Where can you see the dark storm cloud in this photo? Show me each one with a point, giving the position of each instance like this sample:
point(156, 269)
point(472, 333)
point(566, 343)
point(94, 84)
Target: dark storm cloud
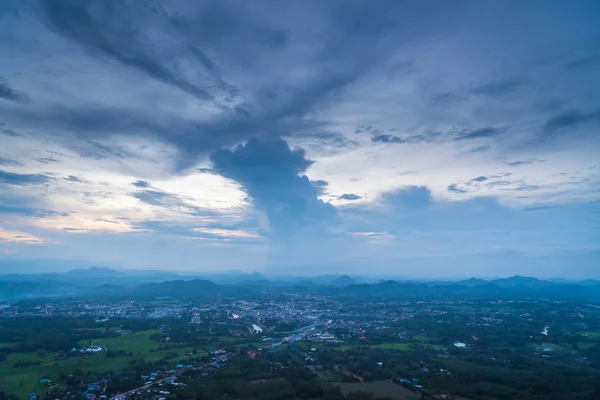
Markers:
point(186, 46)
point(10, 94)
point(349, 196)
point(570, 119)
point(101, 28)
point(487, 132)
point(269, 171)
point(10, 178)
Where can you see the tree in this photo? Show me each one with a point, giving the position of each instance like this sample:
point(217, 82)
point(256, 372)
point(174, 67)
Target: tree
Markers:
point(359, 395)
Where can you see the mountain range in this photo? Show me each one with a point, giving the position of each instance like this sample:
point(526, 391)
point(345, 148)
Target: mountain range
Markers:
point(102, 281)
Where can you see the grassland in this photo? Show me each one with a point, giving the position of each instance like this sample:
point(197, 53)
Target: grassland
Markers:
point(23, 381)
point(380, 389)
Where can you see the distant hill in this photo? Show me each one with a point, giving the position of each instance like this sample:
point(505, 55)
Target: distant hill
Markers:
point(15, 290)
point(179, 288)
point(255, 276)
point(522, 282)
point(342, 281)
point(472, 282)
point(94, 272)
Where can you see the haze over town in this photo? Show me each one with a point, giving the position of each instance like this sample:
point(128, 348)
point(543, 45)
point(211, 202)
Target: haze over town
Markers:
point(368, 138)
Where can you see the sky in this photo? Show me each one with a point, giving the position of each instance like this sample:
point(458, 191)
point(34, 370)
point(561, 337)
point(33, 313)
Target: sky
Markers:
point(425, 139)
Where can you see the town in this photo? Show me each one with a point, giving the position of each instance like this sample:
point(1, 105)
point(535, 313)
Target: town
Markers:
point(166, 348)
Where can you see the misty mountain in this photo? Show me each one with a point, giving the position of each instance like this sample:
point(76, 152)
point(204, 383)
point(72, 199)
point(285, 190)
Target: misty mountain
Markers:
point(473, 282)
point(94, 272)
point(522, 282)
point(178, 288)
point(10, 266)
point(108, 282)
point(342, 281)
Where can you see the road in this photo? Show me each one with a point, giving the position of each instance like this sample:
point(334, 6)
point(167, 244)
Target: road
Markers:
point(140, 388)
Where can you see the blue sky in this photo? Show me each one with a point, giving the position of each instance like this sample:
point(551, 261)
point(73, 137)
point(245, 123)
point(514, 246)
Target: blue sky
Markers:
point(415, 139)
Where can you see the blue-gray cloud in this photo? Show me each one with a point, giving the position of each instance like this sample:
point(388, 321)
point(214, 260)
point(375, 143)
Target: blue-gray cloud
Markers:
point(29, 211)
point(160, 199)
point(270, 172)
point(429, 137)
point(499, 88)
point(11, 178)
point(570, 119)
point(349, 196)
point(487, 132)
point(140, 184)
point(74, 179)
point(9, 162)
point(10, 94)
point(455, 189)
point(522, 162)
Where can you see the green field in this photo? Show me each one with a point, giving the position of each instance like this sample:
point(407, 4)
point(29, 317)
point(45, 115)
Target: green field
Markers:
point(391, 346)
point(330, 376)
point(23, 381)
point(595, 335)
point(380, 389)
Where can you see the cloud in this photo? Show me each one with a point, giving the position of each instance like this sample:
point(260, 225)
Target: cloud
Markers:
point(74, 179)
point(582, 62)
point(487, 132)
point(10, 94)
point(29, 211)
point(140, 184)
point(46, 160)
point(455, 189)
point(162, 199)
point(9, 162)
point(522, 162)
point(570, 119)
point(499, 88)
point(479, 179)
point(227, 233)
point(10, 178)
point(88, 27)
point(270, 172)
point(349, 196)
point(408, 198)
point(18, 237)
point(420, 138)
point(100, 151)
point(387, 139)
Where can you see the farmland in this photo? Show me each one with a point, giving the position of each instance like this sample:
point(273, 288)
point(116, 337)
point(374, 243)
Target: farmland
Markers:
point(379, 389)
point(21, 372)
